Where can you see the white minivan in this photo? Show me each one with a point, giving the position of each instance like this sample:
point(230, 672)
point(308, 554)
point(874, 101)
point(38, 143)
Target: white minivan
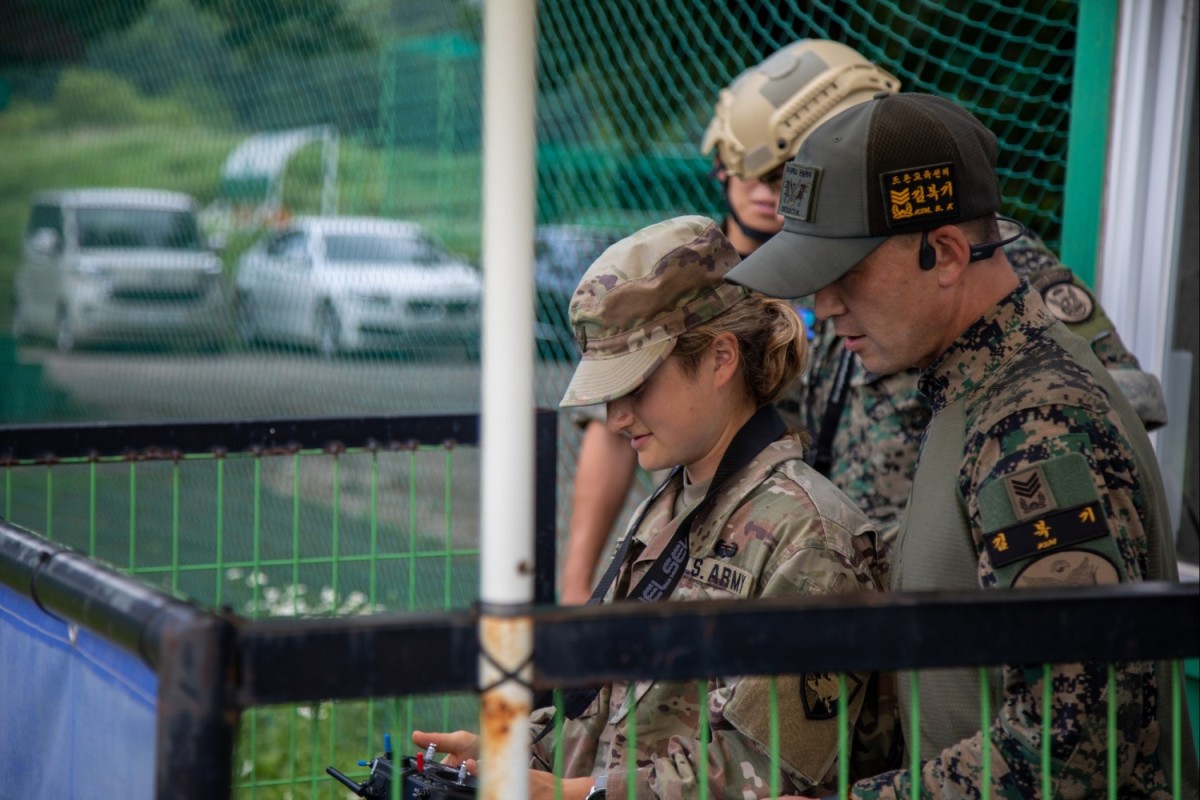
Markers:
point(118, 264)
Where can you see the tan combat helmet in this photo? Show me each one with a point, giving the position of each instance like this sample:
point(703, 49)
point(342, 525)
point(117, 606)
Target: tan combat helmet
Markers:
point(763, 116)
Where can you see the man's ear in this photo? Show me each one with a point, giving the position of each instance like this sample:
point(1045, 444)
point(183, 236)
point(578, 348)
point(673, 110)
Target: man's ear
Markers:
point(953, 253)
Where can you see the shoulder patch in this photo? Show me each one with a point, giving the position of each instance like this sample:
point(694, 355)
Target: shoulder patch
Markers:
point(1068, 302)
point(1067, 568)
point(1036, 489)
point(819, 692)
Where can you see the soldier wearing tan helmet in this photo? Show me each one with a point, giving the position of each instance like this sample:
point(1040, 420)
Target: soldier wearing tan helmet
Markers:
point(761, 118)
point(865, 428)
point(758, 124)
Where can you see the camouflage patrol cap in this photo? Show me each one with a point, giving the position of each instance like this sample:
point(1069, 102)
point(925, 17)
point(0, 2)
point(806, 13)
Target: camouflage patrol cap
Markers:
point(762, 117)
point(639, 296)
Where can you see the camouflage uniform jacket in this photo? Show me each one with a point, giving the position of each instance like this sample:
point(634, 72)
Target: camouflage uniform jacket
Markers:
point(1035, 471)
point(875, 446)
point(776, 528)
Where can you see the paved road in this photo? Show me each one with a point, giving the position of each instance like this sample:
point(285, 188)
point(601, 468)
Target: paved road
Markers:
point(125, 385)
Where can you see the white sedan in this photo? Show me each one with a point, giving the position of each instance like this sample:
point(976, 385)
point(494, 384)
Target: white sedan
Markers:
point(342, 284)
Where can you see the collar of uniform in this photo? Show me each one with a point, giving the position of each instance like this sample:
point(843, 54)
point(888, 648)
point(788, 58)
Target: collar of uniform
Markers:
point(985, 347)
point(704, 539)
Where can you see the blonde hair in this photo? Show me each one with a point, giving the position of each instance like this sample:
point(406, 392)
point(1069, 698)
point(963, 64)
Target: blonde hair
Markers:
point(770, 335)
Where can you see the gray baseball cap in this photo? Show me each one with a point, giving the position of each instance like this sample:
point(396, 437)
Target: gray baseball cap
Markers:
point(899, 163)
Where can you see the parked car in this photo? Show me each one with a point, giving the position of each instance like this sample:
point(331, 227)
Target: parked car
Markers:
point(118, 264)
point(342, 284)
point(562, 253)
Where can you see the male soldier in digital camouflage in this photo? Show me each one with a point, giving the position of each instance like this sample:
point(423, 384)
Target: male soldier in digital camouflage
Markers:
point(1035, 469)
point(865, 427)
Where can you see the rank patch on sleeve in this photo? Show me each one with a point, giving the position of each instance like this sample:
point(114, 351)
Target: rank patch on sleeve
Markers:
point(819, 691)
point(919, 193)
point(1046, 534)
point(1030, 493)
point(798, 195)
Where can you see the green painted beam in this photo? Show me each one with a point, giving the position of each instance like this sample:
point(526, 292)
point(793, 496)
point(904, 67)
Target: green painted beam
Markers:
point(1087, 145)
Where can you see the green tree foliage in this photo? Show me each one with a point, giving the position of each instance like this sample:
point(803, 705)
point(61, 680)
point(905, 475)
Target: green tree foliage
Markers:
point(61, 30)
point(294, 27)
point(33, 31)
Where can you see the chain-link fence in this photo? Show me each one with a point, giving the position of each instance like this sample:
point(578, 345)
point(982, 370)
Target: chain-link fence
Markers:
point(273, 117)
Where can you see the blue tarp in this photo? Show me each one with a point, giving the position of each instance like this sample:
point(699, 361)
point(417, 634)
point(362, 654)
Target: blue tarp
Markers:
point(76, 712)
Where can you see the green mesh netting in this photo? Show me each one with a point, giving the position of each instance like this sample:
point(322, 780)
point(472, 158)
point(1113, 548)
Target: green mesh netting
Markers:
point(264, 113)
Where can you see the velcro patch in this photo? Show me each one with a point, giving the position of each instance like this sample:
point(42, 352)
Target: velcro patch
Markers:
point(720, 574)
point(1068, 568)
point(819, 691)
point(1068, 302)
point(1046, 534)
point(798, 195)
point(1030, 493)
point(918, 194)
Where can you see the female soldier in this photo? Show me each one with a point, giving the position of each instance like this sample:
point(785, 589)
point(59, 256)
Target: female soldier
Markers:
point(689, 367)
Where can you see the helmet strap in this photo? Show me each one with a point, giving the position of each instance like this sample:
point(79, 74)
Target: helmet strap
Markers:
point(756, 234)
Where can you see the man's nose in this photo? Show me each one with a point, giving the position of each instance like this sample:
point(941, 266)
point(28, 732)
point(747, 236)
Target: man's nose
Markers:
point(828, 303)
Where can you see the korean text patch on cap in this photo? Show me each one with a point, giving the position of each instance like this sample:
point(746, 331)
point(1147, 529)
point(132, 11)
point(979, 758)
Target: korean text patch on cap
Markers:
point(900, 163)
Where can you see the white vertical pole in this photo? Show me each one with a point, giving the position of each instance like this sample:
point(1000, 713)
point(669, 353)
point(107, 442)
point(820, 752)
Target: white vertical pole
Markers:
point(1143, 204)
point(507, 435)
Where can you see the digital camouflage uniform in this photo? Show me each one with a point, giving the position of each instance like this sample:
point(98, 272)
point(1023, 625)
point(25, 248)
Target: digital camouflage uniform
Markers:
point(777, 528)
point(875, 447)
point(1035, 472)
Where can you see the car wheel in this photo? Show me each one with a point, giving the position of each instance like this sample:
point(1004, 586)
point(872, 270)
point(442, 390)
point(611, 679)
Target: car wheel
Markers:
point(246, 320)
point(329, 332)
point(64, 331)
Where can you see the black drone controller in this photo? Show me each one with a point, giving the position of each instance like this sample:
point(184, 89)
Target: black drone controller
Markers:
point(422, 778)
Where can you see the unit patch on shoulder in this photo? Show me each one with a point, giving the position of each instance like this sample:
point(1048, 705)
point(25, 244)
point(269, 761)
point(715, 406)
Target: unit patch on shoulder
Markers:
point(1067, 568)
point(819, 691)
point(798, 195)
point(918, 194)
point(1030, 493)
point(1068, 302)
point(1046, 534)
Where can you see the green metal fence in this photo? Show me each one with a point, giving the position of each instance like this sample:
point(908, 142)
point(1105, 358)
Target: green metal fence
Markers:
point(282, 518)
point(250, 663)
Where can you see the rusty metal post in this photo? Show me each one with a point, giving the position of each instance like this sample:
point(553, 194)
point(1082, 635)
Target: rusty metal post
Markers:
point(505, 672)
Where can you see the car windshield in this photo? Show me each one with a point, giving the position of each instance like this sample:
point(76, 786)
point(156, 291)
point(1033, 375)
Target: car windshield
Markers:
point(138, 228)
point(382, 249)
point(570, 255)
